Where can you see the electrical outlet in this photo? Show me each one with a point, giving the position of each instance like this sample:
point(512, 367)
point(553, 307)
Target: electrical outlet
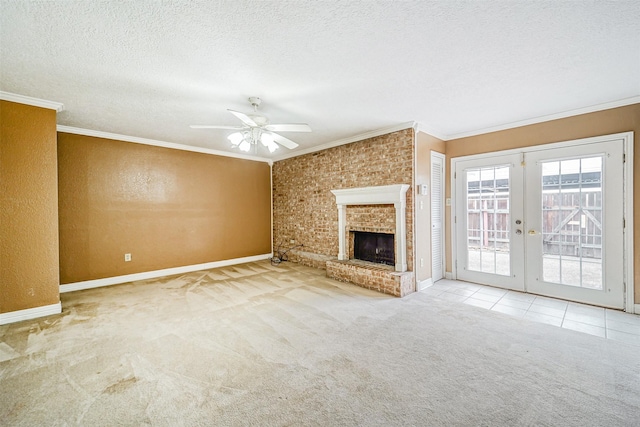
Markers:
point(127, 257)
point(421, 262)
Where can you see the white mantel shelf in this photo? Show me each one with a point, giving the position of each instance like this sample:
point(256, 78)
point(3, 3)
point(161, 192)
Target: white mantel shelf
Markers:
point(382, 195)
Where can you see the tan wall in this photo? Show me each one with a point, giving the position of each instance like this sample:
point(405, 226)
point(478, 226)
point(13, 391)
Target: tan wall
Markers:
point(28, 207)
point(168, 208)
point(606, 122)
point(304, 209)
point(424, 145)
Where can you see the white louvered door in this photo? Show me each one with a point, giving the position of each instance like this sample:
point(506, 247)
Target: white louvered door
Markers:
point(437, 214)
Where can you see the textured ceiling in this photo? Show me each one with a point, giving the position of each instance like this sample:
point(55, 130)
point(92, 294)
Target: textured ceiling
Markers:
point(150, 69)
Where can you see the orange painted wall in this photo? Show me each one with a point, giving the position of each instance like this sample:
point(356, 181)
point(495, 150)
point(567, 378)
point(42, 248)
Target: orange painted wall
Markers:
point(166, 207)
point(616, 120)
point(28, 207)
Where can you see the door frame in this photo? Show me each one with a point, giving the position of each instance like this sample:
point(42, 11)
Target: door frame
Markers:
point(627, 141)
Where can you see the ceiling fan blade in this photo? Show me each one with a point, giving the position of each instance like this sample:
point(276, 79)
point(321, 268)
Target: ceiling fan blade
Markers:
point(215, 127)
point(289, 127)
point(244, 118)
point(285, 142)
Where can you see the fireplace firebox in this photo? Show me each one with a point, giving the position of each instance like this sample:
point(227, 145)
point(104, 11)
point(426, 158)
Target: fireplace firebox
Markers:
point(374, 247)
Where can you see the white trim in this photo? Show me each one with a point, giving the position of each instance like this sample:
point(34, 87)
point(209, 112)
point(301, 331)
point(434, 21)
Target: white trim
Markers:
point(628, 241)
point(419, 127)
point(414, 211)
point(271, 201)
point(156, 143)
point(108, 281)
point(36, 102)
point(30, 313)
point(453, 274)
point(637, 309)
point(547, 118)
point(348, 140)
point(423, 284)
point(380, 195)
point(541, 147)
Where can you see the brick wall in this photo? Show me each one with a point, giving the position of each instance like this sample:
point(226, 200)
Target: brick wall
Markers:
point(304, 209)
point(372, 218)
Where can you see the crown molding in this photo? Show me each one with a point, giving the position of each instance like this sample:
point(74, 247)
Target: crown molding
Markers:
point(348, 140)
point(157, 143)
point(430, 131)
point(36, 102)
point(562, 115)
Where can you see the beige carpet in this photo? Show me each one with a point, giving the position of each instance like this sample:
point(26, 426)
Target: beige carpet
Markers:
point(285, 346)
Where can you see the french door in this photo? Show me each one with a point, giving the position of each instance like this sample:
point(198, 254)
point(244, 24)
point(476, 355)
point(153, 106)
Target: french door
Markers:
point(546, 221)
point(489, 221)
point(575, 219)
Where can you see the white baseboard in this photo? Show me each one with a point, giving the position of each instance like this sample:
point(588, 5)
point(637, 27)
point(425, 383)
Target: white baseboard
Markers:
point(448, 275)
point(636, 309)
point(116, 280)
point(424, 284)
point(30, 313)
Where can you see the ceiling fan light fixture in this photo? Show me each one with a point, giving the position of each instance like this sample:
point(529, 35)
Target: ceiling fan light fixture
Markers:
point(245, 146)
point(236, 138)
point(272, 146)
point(257, 128)
point(266, 139)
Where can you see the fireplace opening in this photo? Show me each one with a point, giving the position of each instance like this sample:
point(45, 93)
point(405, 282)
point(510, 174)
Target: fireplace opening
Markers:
point(374, 247)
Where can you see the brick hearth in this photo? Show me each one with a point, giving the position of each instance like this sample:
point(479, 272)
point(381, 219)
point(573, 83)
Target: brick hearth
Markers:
point(377, 277)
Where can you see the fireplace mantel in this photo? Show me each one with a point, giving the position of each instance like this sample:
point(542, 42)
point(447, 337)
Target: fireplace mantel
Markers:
point(382, 195)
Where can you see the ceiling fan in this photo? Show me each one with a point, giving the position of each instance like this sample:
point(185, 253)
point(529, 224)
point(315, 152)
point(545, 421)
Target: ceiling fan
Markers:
point(256, 128)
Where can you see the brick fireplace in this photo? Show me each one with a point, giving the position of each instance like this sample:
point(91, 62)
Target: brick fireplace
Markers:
point(305, 211)
point(394, 280)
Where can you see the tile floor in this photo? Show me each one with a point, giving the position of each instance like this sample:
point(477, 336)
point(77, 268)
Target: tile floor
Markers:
point(606, 323)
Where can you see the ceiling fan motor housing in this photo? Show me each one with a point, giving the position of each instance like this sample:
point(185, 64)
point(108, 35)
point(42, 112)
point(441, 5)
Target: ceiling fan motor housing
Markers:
point(260, 120)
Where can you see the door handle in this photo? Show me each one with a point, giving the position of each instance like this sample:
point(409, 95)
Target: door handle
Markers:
point(532, 232)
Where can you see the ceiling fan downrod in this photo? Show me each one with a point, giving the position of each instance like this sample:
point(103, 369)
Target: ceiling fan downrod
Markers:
point(255, 101)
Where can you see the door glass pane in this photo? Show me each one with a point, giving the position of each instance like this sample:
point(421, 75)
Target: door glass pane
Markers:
point(488, 220)
point(572, 222)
